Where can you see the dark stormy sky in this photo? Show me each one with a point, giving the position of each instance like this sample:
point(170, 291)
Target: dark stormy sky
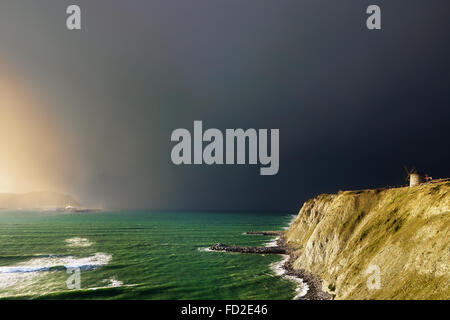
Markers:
point(352, 105)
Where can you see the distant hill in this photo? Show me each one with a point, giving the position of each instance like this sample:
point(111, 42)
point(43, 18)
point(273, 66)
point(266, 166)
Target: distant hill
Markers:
point(36, 200)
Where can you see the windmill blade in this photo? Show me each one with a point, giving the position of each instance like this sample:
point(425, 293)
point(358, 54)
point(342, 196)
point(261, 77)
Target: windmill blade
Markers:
point(408, 173)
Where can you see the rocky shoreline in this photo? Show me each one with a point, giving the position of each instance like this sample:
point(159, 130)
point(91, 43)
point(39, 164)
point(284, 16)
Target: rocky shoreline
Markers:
point(244, 249)
point(313, 282)
point(265, 233)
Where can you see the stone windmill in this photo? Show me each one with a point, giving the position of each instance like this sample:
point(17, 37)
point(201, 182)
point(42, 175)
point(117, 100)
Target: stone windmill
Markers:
point(415, 177)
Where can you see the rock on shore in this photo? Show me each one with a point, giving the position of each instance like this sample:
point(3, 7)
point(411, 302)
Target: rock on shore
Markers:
point(265, 233)
point(244, 249)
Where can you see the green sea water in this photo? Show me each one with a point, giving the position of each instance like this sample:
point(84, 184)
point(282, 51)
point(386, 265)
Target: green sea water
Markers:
point(137, 255)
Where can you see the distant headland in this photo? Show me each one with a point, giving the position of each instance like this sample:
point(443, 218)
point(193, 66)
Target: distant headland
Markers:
point(42, 201)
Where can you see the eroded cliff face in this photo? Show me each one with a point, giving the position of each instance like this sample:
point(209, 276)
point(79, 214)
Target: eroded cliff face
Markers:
point(404, 231)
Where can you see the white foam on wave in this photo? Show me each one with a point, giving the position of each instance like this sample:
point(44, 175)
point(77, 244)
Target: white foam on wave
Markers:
point(53, 261)
point(272, 243)
point(112, 283)
point(278, 269)
point(293, 217)
point(8, 280)
point(78, 242)
point(28, 270)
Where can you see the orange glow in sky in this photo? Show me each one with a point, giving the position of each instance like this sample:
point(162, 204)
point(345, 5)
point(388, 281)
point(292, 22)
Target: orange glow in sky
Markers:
point(33, 153)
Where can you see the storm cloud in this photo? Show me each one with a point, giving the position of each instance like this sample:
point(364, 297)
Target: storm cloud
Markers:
point(352, 105)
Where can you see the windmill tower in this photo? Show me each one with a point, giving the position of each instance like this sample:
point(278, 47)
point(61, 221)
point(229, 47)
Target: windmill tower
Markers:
point(415, 177)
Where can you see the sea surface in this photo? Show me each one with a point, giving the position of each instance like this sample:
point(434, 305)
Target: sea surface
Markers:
point(137, 255)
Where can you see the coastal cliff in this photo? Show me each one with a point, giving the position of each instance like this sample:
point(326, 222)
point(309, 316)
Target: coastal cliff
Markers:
point(405, 232)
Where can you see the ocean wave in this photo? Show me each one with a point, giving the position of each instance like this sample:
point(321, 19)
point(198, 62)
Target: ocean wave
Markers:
point(293, 217)
point(78, 242)
point(28, 272)
point(17, 280)
point(52, 262)
point(278, 268)
point(203, 249)
point(111, 283)
point(272, 243)
point(30, 256)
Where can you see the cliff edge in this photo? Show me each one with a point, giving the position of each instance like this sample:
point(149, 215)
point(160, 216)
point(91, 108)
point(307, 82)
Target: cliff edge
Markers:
point(402, 232)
